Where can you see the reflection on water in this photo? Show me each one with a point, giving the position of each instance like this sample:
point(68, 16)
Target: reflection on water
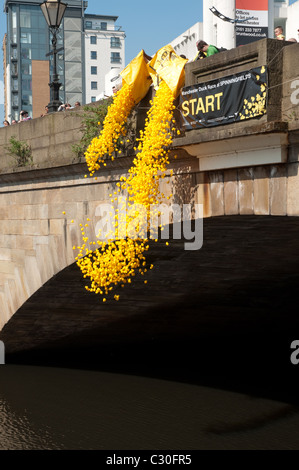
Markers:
point(16, 431)
point(52, 408)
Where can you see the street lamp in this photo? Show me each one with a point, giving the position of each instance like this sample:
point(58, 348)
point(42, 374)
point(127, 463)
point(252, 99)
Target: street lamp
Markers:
point(53, 11)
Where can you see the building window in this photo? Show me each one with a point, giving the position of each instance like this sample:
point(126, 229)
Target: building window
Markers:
point(93, 39)
point(26, 53)
point(15, 100)
point(25, 19)
point(26, 69)
point(94, 85)
point(14, 53)
point(14, 69)
point(93, 70)
point(26, 100)
point(115, 42)
point(26, 84)
point(15, 84)
point(88, 24)
point(93, 55)
point(93, 99)
point(115, 57)
point(25, 38)
point(103, 26)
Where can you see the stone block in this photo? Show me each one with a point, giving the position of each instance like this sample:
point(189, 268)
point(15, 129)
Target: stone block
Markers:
point(261, 191)
point(8, 297)
point(231, 192)
point(42, 240)
point(12, 227)
point(73, 240)
point(56, 210)
point(32, 274)
point(57, 226)
point(294, 142)
point(39, 143)
point(278, 190)
point(38, 211)
point(217, 193)
point(11, 212)
point(293, 190)
point(40, 155)
point(24, 242)
point(55, 196)
point(246, 200)
point(18, 257)
point(20, 277)
point(5, 311)
point(5, 254)
point(3, 212)
point(57, 250)
point(16, 212)
point(203, 193)
point(8, 240)
point(183, 188)
point(35, 227)
point(7, 267)
point(21, 285)
point(44, 262)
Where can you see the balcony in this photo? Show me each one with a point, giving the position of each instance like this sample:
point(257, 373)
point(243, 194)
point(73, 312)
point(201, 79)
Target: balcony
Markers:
point(97, 27)
point(115, 59)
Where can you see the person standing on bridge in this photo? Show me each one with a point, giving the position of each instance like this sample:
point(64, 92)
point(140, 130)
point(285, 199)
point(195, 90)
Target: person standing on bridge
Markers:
point(205, 50)
point(24, 116)
point(278, 31)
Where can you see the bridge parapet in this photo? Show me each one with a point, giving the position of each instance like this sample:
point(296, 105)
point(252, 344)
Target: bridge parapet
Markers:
point(282, 101)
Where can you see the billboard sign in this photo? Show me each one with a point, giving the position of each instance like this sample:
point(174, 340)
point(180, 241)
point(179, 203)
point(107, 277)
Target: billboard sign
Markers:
point(256, 26)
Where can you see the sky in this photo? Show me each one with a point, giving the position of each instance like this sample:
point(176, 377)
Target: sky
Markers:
point(152, 26)
point(147, 27)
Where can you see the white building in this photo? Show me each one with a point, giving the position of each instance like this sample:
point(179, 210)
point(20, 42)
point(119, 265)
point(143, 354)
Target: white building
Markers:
point(221, 32)
point(185, 44)
point(263, 16)
point(288, 11)
point(104, 54)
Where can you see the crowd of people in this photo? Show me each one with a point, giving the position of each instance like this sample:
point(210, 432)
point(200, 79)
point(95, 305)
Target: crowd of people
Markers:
point(24, 115)
point(67, 106)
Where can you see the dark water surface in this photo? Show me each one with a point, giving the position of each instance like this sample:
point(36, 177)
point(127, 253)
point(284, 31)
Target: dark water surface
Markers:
point(57, 408)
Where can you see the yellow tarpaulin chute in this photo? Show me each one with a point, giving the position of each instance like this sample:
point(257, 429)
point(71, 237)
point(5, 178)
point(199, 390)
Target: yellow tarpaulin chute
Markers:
point(137, 76)
point(170, 67)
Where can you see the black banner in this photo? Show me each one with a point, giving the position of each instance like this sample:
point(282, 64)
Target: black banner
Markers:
point(224, 100)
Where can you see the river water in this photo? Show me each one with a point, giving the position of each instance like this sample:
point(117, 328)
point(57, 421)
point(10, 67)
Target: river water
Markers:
point(57, 408)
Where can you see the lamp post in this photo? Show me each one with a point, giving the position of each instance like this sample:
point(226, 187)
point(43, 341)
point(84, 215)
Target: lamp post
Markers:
point(53, 11)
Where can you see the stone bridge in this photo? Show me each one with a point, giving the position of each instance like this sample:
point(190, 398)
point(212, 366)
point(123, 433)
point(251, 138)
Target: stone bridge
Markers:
point(241, 173)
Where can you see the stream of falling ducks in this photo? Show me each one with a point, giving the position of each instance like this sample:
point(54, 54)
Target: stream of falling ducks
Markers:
point(118, 258)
